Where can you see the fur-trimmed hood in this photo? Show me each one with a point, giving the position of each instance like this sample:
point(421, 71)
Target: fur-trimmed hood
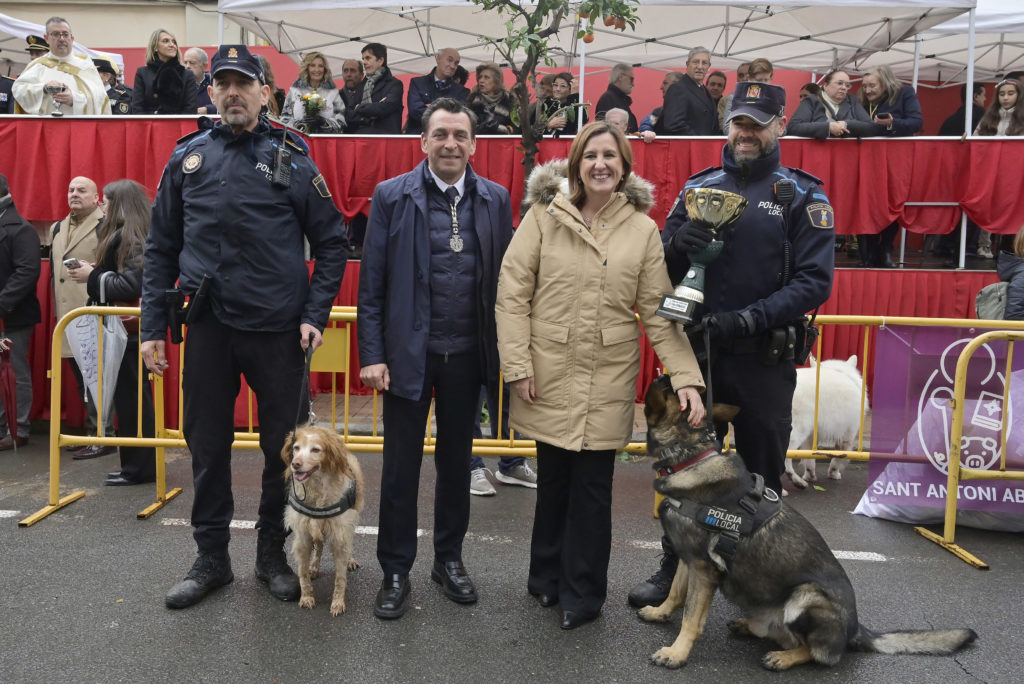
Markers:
point(550, 178)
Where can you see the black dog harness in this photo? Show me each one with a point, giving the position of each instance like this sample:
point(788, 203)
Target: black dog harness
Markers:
point(737, 514)
point(347, 501)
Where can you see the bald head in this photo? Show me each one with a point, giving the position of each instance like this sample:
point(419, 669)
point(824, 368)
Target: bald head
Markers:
point(83, 198)
point(447, 63)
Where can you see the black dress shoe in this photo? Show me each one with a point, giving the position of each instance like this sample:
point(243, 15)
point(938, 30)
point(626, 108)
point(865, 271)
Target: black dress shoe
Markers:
point(114, 473)
point(393, 597)
point(571, 620)
point(452, 576)
point(544, 599)
point(94, 451)
point(209, 572)
point(120, 480)
point(7, 442)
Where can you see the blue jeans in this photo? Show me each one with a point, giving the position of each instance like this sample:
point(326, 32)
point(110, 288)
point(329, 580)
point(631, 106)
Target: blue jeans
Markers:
point(506, 463)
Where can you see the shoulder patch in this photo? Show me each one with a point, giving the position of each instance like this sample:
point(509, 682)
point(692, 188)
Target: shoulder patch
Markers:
point(192, 162)
point(821, 215)
point(705, 171)
point(122, 107)
point(321, 186)
point(808, 176)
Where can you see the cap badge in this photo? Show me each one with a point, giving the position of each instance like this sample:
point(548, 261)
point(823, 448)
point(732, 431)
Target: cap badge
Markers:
point(754, 91)
point(232, 53)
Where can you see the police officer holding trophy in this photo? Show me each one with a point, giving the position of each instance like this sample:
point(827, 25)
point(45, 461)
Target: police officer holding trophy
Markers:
point(766, 262)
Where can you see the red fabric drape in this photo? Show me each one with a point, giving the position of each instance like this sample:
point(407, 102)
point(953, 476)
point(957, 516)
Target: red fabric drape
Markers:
point(868, 181)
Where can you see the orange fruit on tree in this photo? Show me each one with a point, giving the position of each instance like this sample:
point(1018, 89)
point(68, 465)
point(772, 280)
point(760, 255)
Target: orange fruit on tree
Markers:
point(609, 20)
point(620, 24)
point(589, 38)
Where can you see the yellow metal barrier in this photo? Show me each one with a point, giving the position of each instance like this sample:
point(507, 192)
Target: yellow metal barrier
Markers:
point(958, 472)
point(335, 357)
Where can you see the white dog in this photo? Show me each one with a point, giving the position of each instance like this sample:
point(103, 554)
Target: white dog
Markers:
point(838, 414)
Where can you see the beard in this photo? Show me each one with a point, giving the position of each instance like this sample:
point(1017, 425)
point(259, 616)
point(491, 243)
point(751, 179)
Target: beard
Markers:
point(764, 148)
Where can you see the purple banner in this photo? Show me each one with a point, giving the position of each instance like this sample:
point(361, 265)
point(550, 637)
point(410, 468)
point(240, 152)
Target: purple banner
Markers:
point(912, 418)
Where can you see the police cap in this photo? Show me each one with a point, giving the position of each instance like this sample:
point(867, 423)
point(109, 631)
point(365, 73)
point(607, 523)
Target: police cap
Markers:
point(36, 43)
point(104, 65)
point(761, 102)
point(236, 58)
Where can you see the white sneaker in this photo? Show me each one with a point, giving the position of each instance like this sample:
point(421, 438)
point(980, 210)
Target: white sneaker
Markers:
point(522, 475)
point(479, 484)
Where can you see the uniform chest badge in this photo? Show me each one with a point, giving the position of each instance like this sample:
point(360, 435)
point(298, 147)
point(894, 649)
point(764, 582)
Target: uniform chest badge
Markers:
point(122, 107)
point(192, 162)
point(821, 215)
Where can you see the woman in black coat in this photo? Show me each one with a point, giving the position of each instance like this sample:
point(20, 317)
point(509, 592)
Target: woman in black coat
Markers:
point(164, 85)
point(118, 273)
point(833, 112)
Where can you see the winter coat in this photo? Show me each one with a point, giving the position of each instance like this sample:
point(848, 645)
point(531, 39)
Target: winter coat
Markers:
point(383, 115)
point(164, 88)
point(1010, 268)
point(332, 115)
point(810, 120)
point(19, 269)
point(565, 314)
point(394, 283)
point(906, 114)
point(66, 244)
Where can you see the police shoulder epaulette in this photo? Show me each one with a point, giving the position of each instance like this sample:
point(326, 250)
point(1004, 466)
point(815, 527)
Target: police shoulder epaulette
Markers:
point(7, 77)
point(295, 141)
point(808, 176)
point(705, 171)
point(186, 138)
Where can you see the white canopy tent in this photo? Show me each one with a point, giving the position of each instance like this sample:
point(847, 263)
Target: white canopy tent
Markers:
point(13, 33)
point(809, 35)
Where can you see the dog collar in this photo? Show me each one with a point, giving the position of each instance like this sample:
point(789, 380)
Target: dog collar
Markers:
point(347, 501)
point(670, 469)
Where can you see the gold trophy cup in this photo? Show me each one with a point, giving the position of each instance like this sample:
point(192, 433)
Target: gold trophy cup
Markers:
point(716, 209)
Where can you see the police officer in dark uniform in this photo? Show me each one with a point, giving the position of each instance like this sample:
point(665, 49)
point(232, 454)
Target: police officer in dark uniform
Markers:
point(776, 266)
point(120, 95)
point(235, 201)
point(6, 96)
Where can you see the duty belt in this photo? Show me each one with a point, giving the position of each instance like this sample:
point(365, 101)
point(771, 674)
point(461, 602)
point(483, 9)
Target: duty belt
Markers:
point(347, 501)
point(740, 513)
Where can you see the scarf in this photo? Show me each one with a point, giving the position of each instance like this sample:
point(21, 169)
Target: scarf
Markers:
point(831, 106)
point(369, 83)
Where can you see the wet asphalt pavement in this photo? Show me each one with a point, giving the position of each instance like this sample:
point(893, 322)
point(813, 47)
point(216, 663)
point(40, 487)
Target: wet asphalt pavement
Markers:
point(84, 588)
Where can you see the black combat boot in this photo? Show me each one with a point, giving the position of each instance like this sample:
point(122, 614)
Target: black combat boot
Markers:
point(654, 591)
point(210, 571)
point(272, 566)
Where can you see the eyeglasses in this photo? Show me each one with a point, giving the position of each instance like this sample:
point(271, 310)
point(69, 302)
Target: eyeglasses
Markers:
point(60, 34)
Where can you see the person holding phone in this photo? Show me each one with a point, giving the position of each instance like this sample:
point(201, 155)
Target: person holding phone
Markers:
point(73, 242)
point(896, 112)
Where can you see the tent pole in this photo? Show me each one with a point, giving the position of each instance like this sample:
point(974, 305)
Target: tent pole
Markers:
point(969, 93)
point(917, 59)
point(220, 28)
point(583, 80)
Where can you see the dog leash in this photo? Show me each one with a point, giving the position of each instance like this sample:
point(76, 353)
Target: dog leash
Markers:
point(306, 391)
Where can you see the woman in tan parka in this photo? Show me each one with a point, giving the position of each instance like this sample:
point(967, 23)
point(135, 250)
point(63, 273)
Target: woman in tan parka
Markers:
point(584, 258)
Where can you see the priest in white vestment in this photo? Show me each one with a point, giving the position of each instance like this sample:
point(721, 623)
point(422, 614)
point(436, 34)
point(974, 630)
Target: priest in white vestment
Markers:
point(83, 93)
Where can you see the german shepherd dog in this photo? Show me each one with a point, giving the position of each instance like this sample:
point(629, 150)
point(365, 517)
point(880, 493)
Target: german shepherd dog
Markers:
point(782, 574)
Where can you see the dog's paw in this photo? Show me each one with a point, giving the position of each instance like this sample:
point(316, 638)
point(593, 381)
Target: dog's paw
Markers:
point(652, 614)
point(835, 474)
point(666, 657)
point(353, 564)
point(777, 661)
point(810, 476)
point(740, 627)
point(798, 482)
point(307, 602)
point(338, 606)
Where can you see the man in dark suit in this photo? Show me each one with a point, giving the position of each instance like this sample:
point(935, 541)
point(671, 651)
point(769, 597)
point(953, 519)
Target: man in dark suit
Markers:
point(351, 90)
point(689, 108)
point(620, 85)
point(6, 96)
point(954, 125)
point(379, 111)
point(427, 291)
point(440, 82)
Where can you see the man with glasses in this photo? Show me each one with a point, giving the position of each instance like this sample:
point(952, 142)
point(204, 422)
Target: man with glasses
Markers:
point(620, 85)
point(689, 108)
point(60, 82)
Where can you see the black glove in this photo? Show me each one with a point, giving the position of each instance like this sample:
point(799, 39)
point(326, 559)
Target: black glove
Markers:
point(725, 327)
point(692, 237)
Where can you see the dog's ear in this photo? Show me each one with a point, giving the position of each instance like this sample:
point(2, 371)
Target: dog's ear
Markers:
point(655, 406)
point(852, 362)
point(334, 452)
point(723, 413)
point(286, 450)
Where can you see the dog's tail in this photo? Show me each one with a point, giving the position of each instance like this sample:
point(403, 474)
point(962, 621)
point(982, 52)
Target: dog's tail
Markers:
point(923, 641)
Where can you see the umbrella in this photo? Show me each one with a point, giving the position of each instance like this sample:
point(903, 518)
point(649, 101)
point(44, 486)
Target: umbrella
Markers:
point(83, 335)
point(8, 388)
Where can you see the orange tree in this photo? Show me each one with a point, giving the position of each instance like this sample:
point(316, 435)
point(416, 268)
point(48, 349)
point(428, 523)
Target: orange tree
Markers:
point(525, 46)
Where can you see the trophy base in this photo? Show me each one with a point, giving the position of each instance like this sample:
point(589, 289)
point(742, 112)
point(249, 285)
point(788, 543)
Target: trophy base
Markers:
point(680, 309)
